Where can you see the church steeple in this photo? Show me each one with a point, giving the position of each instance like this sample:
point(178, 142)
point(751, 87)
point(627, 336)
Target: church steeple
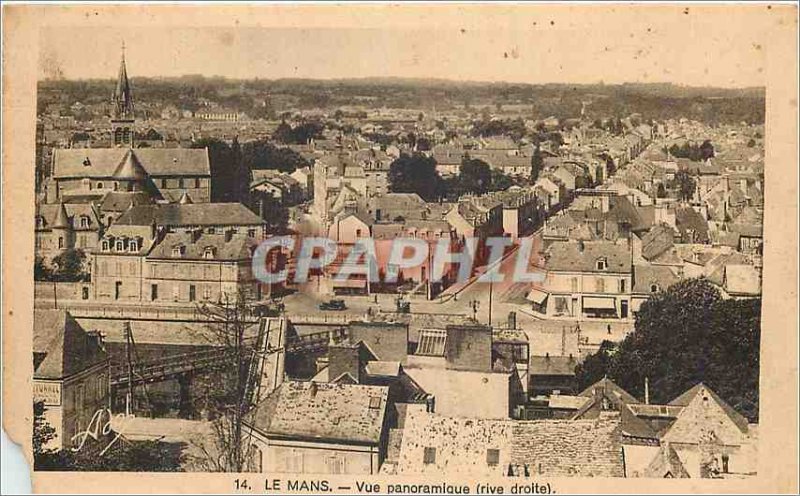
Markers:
point(122, 100)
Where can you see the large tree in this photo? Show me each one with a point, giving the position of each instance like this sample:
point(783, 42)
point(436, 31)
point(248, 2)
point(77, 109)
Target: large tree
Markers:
point(230, 178)
point(69, 266)
point(684, 185)
point(415, 174)
point(537, 163)
point(475, 176)
point(685, 335)
point(261, 154)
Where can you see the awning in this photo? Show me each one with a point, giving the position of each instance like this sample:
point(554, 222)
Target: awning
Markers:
point(599, 303)
point(350, 283)
point(537, 296)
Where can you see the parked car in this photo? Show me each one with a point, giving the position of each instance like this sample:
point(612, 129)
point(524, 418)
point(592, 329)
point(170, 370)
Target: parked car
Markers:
point(332, 305)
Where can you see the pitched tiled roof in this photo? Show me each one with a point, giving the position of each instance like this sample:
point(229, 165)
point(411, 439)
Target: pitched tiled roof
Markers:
point(61, 347)
point(700, 389)
point(658, 240)
point(645, 275)
point(582, 256)
point(103, 162)
point(68, 215)
point(688, 218)
point(324, 411)
point(570, 448)
point(196, 214)
point(119, 201)
point(238, 248)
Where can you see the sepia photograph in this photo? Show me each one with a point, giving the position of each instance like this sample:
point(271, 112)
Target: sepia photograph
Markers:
point(295, 243)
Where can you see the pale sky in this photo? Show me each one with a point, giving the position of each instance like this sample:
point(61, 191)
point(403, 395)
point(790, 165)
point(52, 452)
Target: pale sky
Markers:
point(707, 46)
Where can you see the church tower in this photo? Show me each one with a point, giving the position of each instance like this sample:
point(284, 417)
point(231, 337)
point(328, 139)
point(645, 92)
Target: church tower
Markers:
point(122, 101)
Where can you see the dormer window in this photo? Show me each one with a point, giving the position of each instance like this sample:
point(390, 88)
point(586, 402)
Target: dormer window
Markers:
point(119, 245)
point(601, 264)
point(39, 222)
point(208, 252)
point(105, 245)
point(133, 245)
point(84, 221)
point(654, 288)
point(178, 251)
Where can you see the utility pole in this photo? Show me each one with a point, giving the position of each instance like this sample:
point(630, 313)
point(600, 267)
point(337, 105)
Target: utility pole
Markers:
point(129, 397)
point(491, 290)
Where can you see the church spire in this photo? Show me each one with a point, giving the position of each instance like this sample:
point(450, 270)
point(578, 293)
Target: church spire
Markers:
point(123, 99)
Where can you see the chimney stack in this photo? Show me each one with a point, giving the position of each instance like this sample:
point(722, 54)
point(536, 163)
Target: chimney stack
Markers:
point(646, 391)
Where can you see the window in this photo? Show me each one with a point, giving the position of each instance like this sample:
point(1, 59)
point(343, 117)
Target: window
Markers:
point(211, 230)
point(574, 284)
point(206, 293)
point(105, 245)
point(60, 242)
point(116, 186)
point(192, 292)
point(99, 185)
point(163, 183)
point(175, 292)
point(208, 252)
point(622, 285)
point(40, 222)
point(101, 387)
point(178, 250)
point(85, 293)
point(251, 233)
point(654, 288)
point(375, 403)
point(133, 246)
point(600, 285)
point(153, 292)
point(725, 464)
point(492, 457)
point(180, 183)
point(602, 264)
point(429, 457)
point(196, 182)
point(119, 245)
point(84, 221)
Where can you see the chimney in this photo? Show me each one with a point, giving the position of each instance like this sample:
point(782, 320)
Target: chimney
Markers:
point(646, 391)
point(196, 233)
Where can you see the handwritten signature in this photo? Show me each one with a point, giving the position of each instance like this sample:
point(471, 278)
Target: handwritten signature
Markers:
point(100, 425)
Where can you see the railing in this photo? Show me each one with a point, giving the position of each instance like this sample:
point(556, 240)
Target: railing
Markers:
point(321, 319)
point(171, 366)
point(315, 341)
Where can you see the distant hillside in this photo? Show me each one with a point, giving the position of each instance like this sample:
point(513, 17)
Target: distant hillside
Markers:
point(652, 101)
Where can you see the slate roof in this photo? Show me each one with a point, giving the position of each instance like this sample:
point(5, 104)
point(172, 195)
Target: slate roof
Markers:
point(61, 347)
point(69, 162)
point(658, 240)
point(130, 168)
point(350, 413)
point(698, 389)
point(569, 256)
point(688, 218)
point(119, 201)
point(196, 214)
point(569, 448)
point(646, 275)
point(238, 248)
point(67, 215)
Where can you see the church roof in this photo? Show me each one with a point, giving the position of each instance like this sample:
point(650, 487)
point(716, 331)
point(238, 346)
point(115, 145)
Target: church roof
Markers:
point(103, 162)
point(61, 219)
point(130, 168)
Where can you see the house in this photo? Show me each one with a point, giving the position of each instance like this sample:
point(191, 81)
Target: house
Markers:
point(319, 428)
point(71, 375)
point(586, 279)
point(189, 217)
point(435, 444)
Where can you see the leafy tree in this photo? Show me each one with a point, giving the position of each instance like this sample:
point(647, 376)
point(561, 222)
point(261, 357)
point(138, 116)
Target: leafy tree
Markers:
point(273, 211)
point(261, 154)
point(41, 272)
point(415, 174)
point(684, 184)
point(537, 163)
point(499, 181)
point(685, 335)
point(227, 173)
point(706, 150)
point(43, 433)
point(70, 265)
point(299, 134)
point(475, 176)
